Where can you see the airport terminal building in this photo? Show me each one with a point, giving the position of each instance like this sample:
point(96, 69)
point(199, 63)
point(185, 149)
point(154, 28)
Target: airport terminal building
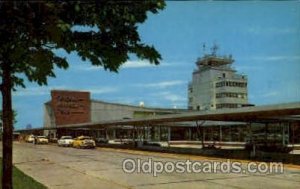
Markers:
point(218, 111)
point(74, 113)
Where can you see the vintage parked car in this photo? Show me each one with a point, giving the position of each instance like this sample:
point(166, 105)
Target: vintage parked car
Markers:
point(100, 141)
point(53, 140)
point(84, 142)
point(41, 140)
point(65, 141)
point(29, 138)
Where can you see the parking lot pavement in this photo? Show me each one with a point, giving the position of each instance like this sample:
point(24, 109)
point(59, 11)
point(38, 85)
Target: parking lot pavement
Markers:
point(59, 167)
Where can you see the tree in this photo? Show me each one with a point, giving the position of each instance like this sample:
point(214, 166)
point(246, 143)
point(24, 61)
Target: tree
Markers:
point(1, 125)
point(14, 116)
point(103, 32)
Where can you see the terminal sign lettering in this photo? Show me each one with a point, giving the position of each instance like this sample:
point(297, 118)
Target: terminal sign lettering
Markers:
point(70, 107)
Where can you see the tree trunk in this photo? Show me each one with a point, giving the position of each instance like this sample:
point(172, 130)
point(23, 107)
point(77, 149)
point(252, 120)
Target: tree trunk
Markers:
point(7, 127)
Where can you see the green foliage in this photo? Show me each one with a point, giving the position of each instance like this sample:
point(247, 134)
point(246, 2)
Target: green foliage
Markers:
point(104, 32)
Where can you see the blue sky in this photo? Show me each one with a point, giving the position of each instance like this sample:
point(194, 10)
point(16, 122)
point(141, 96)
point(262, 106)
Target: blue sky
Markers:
point(263, 37)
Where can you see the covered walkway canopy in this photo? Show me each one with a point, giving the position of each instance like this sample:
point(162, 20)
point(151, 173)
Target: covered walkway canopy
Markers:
point(289, 112)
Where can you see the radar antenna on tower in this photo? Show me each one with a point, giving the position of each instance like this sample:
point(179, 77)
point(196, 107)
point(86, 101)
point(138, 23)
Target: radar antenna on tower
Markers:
point(214, 49)
point(203, 48)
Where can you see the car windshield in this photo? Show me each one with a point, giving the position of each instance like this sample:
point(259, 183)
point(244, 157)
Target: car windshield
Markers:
point(41, 137)
point(66, 137)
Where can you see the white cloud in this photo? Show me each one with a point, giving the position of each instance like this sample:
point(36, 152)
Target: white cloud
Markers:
point(87, 67)
point(270, 94)
point(264, 95)
point(275, 58)
point(162, 84)
point(36, 91)
point(137, 64)
point(264, 58)
point(170, 96)
point(102, 90)
point(127, 65)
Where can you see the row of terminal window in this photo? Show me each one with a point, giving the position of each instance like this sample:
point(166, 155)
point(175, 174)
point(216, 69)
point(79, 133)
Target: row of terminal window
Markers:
point(231, 95)
point(228, 105)
point(220, 106)
point(231, 84)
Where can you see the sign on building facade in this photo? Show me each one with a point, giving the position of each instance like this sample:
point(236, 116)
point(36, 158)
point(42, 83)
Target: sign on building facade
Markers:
point(70, 107)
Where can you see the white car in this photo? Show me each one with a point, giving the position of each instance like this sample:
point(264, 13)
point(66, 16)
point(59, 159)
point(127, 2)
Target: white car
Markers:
point(29, 138)
point(41, 140)
point(65, 141)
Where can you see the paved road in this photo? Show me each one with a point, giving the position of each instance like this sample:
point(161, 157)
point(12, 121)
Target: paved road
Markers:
point(58, 168)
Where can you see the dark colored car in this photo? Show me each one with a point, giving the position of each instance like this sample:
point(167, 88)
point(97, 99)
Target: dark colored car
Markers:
point(101, 141)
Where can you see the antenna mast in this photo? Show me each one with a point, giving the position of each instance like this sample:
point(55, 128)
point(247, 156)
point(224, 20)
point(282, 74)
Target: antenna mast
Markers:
point(214, 49)
point(203, 48)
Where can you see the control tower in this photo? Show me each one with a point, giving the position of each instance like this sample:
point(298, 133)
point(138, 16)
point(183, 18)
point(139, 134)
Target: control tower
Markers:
point(216, 84)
